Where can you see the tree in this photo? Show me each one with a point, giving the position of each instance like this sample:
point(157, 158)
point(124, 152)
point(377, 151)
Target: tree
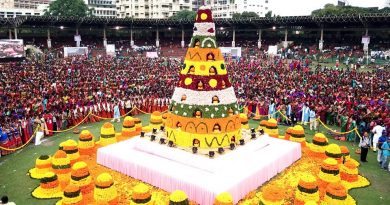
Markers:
point(245, 15)
point(268, 14)
point(184, 15)
point(68, 8)
point(330, 9)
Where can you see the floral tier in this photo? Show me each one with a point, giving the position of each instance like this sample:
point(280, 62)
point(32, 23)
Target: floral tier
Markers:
point(204, 111)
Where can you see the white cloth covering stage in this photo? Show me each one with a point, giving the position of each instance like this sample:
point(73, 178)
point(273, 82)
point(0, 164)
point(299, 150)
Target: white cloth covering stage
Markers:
point(201, 178)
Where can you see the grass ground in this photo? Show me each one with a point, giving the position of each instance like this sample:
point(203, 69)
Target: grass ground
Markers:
point(15, 182)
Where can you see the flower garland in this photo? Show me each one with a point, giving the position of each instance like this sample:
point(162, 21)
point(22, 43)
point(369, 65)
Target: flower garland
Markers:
point(70, 148)
point(86, 143)
point(71, 196)
point(226, 96)
point(42, 166)
point(105, 191)
point(61, 166)
point(178, 198)
point(48, 187)
point(224, 198)
point(107, 135)
point(307, 190)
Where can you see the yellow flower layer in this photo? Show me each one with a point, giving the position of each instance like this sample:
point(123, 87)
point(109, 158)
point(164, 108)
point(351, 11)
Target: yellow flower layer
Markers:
point(43, 162)
point(293, 139)
point(361, 182)
point(185, 139)
point(203, 68)
point(107, 141)
point(73, 200)
point(47, 193)
point(178, 196)
point(302, 196)
point(86, 144)
point(348, 201)
point(225, 198)
point(105, 195)
point(61, 161)
point(316, 148)
point(84, 182)
point(330, 178)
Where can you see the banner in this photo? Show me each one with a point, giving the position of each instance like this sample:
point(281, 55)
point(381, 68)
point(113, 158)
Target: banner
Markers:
point(233, 51)
point(272, 50)
point(11, 48)
point(110, 50)
point(75, 51)
point(151, 55)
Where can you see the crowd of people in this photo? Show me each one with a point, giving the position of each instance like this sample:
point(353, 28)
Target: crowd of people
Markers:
point(58, 92)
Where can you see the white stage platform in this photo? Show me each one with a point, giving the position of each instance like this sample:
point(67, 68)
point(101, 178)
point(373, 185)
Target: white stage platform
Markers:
point(237, 172)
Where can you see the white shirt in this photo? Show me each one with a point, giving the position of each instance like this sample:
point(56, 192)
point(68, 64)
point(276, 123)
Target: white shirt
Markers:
point(377, 130)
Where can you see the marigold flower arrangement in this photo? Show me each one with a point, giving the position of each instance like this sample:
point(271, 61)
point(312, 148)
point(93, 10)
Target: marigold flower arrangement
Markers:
point(107, 135)
point(141, 194)
point(298, 135)
point(81, 178)
point(272, 128)
point(307, 190)
point(49, 187)
point(272, 195)
point(288, 133)
point(349, 174)
point(71, 196)
point(70, 148)
point(317, 148)
point(138, 125)
point(329, 173)
point(311, 203)
point(61, 166)
point(86, 143)
point(244, 121)
point(105, 192)
point(224, 198)
point(334, 151)
point(42, 166)
point(155, 120)
point(263, 125)
point(336, 194)
point(128, 127)
point(178, 197)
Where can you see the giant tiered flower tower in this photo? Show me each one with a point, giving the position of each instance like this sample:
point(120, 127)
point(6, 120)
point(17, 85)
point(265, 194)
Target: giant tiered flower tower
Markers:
point(204, 111)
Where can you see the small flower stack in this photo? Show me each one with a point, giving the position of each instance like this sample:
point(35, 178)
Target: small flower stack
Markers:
point(105, 191)
point(156, 120)
point(107, 135)
point(42, 166)
point(272, 196)
point(334, 151)
point(141, 194)
point(71, 149)
point(178, 198)
point(86, 143)
point(224, 199)
point(49, 187)
point(336, 194)
point(272, 128)
point(71, 196)
point(61, 166)
point(329, 173)
point(307, 190)
point(128, 128)
point(138, 125)
point(263, 125)
point(81, 178)
point(298, 135)
point(288, 133)
point(317, 148)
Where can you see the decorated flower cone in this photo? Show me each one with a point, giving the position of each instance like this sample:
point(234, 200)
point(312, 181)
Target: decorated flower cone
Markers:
point(334, 151)
point(42, 166)
point(71, 149)
point(272, 196)
point(72, 196)
point(105, 192)
point(317, 148)
point(81, 178)
point(272, 128)
point(263, 125)
point(288, 133)
point(298, 135)
point(61, 166)
point(244, 121)
point(107, 135)
point(329, 173)
point(156, 120)
point(224, 199)
point(49, 187)
point(336, 194)
point(86, 143)
point(204, 110)
point(128, 129)
point(178, 198)
point(138, 125)
point(141, 195)
point(307, 190)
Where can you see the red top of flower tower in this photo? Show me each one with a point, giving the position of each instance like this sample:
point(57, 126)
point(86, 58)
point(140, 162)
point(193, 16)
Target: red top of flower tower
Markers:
point(204, 15)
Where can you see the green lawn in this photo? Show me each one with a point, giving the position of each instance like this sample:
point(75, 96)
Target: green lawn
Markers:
point(18, 186)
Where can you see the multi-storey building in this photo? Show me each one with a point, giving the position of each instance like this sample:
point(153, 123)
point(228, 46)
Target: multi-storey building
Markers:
point(151, 8)
point(102, 8)
point(226, 8)
point(13, 8)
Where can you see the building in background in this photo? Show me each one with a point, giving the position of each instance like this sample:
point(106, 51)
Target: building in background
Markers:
point(226, 8)
point(102, 8)
point(151, 8)
point(13, 8)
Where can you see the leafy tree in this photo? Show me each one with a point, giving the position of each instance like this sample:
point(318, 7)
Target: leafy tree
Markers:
point(245, 15)
point(268, 14)
point(184, 15)
point(330, 9)
point(68, 8)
